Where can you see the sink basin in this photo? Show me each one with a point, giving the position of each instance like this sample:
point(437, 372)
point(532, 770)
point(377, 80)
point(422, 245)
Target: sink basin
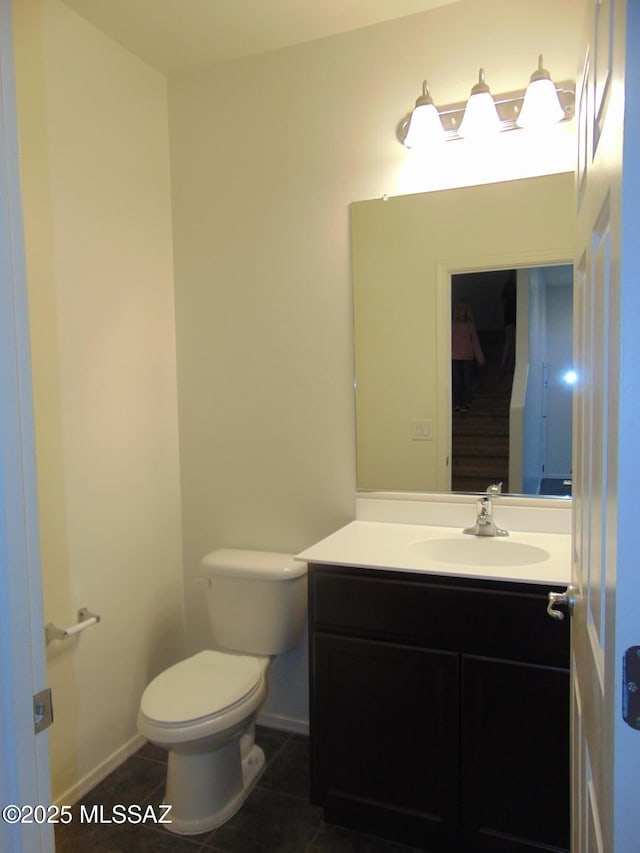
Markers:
point(478, 551)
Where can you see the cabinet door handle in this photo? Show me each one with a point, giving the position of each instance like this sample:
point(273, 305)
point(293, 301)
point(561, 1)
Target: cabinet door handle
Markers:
point(565, 598)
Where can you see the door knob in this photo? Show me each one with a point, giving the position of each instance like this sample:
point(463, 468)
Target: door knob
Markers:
point(566, 598)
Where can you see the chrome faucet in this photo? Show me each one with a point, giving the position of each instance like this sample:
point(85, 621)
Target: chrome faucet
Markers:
point(485, 525)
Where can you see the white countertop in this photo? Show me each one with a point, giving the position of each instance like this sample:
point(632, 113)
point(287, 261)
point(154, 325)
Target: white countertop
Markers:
point(399, 547)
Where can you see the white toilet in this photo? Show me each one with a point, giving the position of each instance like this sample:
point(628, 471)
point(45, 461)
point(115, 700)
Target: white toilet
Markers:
point(203, 709)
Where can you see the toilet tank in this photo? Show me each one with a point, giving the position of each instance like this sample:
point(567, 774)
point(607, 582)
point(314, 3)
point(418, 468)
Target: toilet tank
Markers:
point(257, 600)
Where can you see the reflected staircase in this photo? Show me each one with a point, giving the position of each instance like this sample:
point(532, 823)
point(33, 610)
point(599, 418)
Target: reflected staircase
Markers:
point(480, 437)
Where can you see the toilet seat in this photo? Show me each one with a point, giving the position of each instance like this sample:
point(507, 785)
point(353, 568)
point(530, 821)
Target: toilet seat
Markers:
point(201, 688)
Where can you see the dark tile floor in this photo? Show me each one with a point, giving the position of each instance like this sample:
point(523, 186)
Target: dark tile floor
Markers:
point(276, 818)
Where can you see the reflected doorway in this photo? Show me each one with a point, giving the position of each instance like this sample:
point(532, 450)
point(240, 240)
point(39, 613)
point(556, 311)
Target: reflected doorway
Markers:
point(518, 424)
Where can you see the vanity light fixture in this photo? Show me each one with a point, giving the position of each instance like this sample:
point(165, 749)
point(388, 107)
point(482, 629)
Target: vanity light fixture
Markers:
point(544, 103)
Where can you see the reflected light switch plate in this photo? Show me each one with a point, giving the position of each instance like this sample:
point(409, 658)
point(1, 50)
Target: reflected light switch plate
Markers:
point(421, 430)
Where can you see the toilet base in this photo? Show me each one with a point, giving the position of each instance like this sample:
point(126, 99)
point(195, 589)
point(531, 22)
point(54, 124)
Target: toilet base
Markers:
point(205, 790)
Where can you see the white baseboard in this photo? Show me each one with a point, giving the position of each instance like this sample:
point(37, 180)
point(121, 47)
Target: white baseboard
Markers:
point(284, 724)
point(83, 786)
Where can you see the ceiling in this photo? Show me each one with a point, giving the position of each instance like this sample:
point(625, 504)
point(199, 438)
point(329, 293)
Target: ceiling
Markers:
point(180, 36)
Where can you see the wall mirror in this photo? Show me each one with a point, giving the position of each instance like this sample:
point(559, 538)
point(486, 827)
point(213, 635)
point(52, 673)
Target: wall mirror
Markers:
point(412, 256)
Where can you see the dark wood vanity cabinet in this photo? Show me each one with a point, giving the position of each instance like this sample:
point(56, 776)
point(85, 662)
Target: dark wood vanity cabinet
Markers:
point(439, 710)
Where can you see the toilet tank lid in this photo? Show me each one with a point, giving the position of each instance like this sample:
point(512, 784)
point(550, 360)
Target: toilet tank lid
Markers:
point(261, 565)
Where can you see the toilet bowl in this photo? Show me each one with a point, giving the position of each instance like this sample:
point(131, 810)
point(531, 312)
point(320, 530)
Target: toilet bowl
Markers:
point(203, 709)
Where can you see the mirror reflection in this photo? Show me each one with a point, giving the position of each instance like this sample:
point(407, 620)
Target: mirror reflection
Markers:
point(511, 351)
point(412, 257)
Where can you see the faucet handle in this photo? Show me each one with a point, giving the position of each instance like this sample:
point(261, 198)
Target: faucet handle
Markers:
point(494, 489)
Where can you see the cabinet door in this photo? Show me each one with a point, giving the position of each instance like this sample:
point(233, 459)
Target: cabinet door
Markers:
point(386, 737)
point(515, 769)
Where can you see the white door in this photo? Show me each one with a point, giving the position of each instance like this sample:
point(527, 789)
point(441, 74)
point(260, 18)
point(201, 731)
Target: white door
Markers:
point(24, 758)
point(606, 561)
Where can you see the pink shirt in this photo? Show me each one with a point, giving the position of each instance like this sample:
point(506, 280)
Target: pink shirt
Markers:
point(465, 345)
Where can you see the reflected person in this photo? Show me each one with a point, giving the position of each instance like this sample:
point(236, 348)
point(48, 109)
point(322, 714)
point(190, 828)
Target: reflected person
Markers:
point(465, 351)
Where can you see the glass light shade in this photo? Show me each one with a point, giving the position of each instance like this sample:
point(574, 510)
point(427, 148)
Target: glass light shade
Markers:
point(425, 127)
point(541, 106)
point(480, 118)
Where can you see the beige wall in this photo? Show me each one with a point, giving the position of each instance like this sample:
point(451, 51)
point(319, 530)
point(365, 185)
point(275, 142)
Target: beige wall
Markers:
point(96, 194)
point(267, 153)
